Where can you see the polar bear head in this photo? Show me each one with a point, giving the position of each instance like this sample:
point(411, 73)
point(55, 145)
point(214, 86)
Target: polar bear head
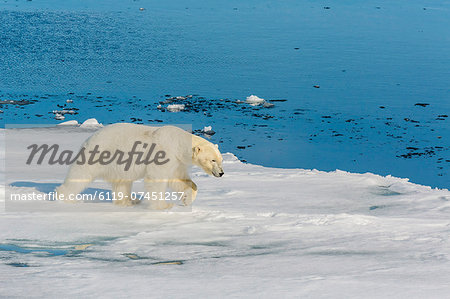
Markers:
point(207, 156)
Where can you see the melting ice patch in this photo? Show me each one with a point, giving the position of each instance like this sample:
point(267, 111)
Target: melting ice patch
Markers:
point(175, 107)
point(254, 100)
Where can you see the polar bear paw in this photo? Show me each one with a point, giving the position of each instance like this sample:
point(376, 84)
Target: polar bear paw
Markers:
point(126, 202)
point(188, 197)
point(160, 205)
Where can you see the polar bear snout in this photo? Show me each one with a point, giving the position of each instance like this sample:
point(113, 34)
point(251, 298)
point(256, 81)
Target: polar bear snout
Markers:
point(217, 172)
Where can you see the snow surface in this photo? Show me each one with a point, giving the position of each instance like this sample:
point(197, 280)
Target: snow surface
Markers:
point(69, 123)
point(91, 122)
point(256, 232)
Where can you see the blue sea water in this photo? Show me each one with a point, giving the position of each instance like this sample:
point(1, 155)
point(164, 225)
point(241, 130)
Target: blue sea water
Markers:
point(373, 61)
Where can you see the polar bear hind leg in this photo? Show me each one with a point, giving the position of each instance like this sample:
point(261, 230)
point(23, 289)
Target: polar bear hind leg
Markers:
point(157, 187)
point(71, 188)
point(122, 193)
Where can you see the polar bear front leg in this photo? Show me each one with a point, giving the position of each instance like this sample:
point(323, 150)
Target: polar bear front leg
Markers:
point(188, 187)
point(122, 193)
point(157, 187)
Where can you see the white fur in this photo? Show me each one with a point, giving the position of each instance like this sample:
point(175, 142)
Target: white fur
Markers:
point(182, 148)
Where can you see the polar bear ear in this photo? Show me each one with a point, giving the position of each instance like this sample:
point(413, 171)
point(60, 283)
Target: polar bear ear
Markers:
point(216, 145)
point(196, 150)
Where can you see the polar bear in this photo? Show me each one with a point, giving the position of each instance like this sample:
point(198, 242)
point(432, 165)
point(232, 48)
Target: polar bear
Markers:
point(169, 151)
